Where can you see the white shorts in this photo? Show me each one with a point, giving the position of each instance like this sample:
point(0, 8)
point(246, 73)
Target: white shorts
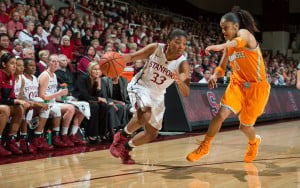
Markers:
point(53, 111)
point(143, 97)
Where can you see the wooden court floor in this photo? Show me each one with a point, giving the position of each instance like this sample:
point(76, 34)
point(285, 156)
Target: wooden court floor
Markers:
point(163, 164)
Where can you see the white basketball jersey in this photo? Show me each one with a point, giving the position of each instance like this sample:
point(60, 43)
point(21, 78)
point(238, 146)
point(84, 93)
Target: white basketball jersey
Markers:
point(30, 87)
point(18, 85)
point(52, 85)
point(157, 72)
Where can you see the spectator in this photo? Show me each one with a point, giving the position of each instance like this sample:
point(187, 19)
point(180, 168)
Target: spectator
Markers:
point(138, 65)
point(87, 38)
point(26, 34)
point(29, 53)
point(116, 89)
point(41, 36)
point(4, 42)
point(64, 73)
point(14, 25)
point(206, 76)
point(197, 73)
point(17, 47)
point(89, 55)
point(91, 88)
point(4, 18)
point(65, 47)
point(53, 46)
point(43, 57)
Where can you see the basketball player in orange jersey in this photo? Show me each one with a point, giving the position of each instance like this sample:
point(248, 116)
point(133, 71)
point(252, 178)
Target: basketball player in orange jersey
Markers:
point(248, 90)
point(147, 88)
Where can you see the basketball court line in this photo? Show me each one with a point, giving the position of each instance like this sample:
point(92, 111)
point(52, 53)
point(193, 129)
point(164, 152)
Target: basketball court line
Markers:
point(167, 168)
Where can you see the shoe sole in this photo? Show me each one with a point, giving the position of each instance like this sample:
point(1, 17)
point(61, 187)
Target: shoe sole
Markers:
point(193, 160)
point(257, 149)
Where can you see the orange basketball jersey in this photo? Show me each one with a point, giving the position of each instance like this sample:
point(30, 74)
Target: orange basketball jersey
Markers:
point(248, 64)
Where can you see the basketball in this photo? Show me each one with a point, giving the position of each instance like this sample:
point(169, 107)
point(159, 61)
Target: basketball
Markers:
point(112, 64)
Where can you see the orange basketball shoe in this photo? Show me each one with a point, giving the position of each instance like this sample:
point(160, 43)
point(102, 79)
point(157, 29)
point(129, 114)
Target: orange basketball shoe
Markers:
point(202, 150)
point(252, 149)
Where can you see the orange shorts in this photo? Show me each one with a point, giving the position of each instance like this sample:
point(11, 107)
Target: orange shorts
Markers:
point(247, 98)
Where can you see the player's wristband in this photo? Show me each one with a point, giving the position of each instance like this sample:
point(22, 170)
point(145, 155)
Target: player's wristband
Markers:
point(221, 70)
point(241, 42)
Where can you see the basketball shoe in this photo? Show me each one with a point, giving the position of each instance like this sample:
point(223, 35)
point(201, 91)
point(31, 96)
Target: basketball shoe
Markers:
point(41, 144)
point(26, 147)
point(202, 150)
point(126, 158)
point(57, 142)
point(3, 151)
point(66, 139)
point(118, 145)
point(252, 149)
point(12, 146)
point(76, 140)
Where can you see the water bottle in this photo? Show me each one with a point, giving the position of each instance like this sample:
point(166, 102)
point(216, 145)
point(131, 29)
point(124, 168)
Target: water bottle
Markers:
point(49, 136)
point(46, 100)
point(64, 86)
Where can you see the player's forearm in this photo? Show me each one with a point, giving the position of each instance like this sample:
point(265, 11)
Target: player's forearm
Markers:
point(184, 88)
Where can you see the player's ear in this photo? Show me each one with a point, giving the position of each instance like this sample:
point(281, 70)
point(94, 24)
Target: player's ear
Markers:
point(236, 26)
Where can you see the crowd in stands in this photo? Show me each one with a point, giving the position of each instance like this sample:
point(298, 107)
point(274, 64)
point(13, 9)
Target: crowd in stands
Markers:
point(51, 47)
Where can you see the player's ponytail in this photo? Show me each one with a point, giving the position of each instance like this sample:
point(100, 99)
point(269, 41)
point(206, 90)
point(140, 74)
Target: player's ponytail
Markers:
point(243, 17)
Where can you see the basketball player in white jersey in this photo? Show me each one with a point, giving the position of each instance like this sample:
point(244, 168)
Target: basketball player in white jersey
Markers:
point(30, 93)
point(147, 89)
point(19, 82)
point(48, 89)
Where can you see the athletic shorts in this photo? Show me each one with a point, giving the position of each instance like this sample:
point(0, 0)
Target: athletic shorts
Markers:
point(54, 110)
point(142, 97)
point(247, 98)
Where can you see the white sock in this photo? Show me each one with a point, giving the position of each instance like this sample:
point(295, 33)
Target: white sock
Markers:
point(36, 132)
point(126, 131)
point(23, 134)
point(65, 130)
point(130, 143)
point(56, 129)
point(74, 129)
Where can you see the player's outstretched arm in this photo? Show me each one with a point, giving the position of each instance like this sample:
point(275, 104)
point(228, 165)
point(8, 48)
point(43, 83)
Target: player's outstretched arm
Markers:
point(183, 78)
point(141, 54)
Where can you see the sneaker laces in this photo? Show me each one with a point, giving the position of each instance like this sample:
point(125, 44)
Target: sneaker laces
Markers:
point(201, 144)
point(251, 148)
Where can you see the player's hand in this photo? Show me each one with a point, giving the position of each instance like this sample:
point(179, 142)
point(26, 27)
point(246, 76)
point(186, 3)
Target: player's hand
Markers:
point(218, 47)
point(22, 103)
point(212, 82)
point(63, 92)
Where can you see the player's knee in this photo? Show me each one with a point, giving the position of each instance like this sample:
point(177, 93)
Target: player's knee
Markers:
point(144, 115)
point(5, 111)
point(222, 114)
point(70, 109)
